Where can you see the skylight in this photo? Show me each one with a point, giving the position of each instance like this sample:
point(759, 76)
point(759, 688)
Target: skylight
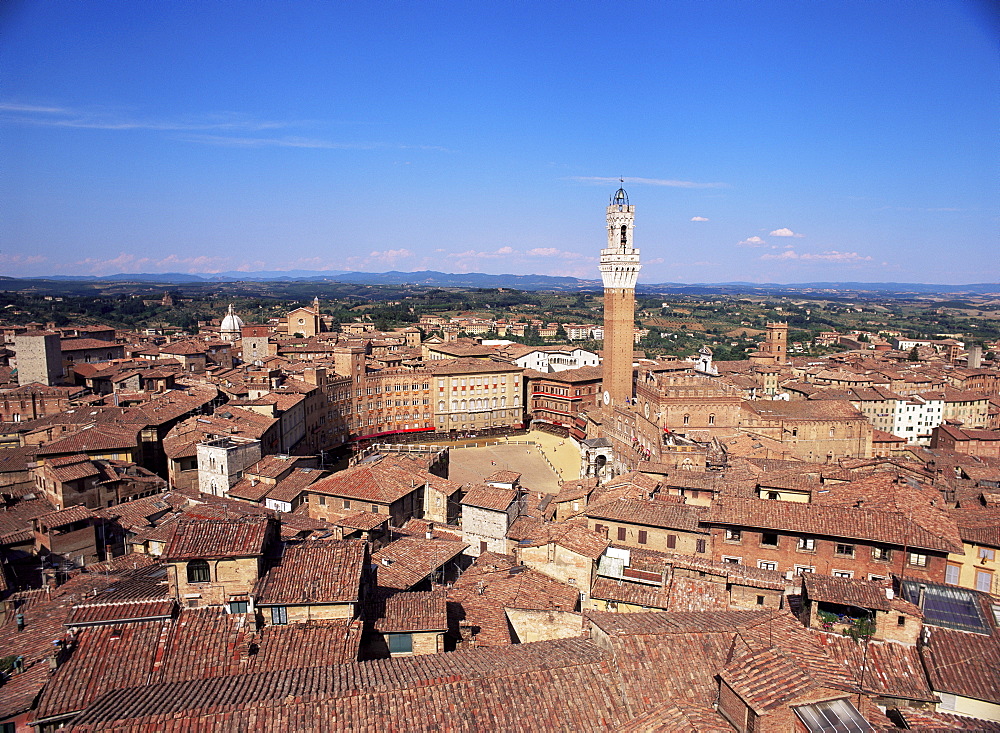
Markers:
point(952, 608)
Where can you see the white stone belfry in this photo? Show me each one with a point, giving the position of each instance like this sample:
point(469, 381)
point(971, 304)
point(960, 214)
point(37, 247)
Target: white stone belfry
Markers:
point(620, 260)
point(619, 270)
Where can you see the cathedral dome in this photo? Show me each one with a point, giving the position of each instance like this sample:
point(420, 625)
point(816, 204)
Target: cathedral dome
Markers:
point(232, 323)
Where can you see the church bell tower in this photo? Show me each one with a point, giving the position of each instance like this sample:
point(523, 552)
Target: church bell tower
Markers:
point(619, 270)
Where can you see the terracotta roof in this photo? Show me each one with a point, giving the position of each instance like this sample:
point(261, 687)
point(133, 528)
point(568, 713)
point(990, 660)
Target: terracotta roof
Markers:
point(846, 591)
point(17, 517)
point(104, 613)
point(550, 685)
point(289, 488)
point(828, 521)
point(495, 582)
point(636, 594)
point(890, 669)
point(503, 477)
point(651, 513)
point(407, 561)
point(669, 717)
point(73, 468)
point(963, 664)
point(365, 521)
point(217, 538)
point(314, 572)
point(766, 679)
point(86, 343)
point(803, 409)
point(489, 497)
point(931, 721)
point(307, 643)
point(571, 536)
point(66, 516)
point(407, 612)
point(94, 438)
point(374, 482)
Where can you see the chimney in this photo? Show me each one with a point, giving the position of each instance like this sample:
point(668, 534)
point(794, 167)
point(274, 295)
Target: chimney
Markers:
point(430, 531)
point(20, 621)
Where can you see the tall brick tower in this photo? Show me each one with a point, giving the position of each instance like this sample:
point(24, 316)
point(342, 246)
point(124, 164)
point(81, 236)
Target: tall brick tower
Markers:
point(619, 269)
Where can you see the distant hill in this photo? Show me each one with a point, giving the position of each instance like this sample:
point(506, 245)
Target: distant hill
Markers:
point(434, 279)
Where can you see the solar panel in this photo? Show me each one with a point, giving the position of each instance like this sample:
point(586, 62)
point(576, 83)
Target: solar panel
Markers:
point(833, 716)
point(952, 608)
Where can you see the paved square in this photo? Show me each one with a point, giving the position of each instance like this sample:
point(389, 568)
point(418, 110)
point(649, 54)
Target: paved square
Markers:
point(473, 465)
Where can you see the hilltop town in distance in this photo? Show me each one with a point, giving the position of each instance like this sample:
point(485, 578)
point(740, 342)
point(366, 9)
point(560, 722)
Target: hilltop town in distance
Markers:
point(231, 506)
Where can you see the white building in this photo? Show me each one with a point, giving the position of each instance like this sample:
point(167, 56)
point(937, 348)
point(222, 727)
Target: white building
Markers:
point(556, 359)
point(222, 461)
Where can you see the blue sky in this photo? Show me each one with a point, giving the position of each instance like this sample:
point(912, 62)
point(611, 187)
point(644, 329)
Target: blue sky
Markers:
point(762, 141)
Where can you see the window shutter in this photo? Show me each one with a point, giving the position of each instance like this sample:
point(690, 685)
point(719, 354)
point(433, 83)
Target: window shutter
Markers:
point(672, 541)
point(622, 534)
point(701, 546)
point(642, 536)
point(951, 575)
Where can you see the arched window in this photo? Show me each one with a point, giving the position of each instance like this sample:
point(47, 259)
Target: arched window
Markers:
point(494, 403)
point(687, 419)
point(441, 406)
point(454, 405)
point(503, 402)
point(464, 406)
point(711, 419)
point(197, 571)
point(624, 235)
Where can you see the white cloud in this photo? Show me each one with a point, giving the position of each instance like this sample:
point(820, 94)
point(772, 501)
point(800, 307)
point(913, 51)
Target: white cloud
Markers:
point(784, 232)
point(21, 260)
point(33, 108)
point(554, 252)
point(827, 256)
point(603, 180)
point(751, 242)
point(274, 142)
point(698, 218)
point(125, 262)
point(788, 254)
point(389, 256)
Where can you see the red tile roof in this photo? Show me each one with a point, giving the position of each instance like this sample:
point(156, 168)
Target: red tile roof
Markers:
point(890, 669)
point(362, 520)
point(571, 536)
point(567, 684)
point(412, 612)
point(95, 439)
point(650, 513)
point(206, 539)
point(963, 664)
point(315, 572)
point(489, 497)
point(494, 583)
point(847, 591)
point(373, 482)
point(411, 559)
point(308, 643)
point(105, 613)
point(66, 516)
point(829, 521)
